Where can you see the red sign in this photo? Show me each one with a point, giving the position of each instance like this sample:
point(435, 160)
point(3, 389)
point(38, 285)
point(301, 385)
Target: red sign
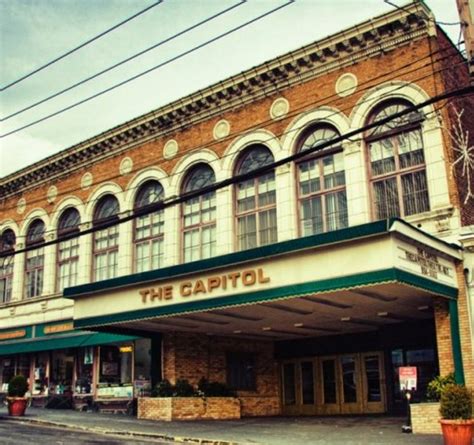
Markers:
point(407, 376)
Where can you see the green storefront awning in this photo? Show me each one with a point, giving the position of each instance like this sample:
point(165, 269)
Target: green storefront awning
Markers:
point(61, 342)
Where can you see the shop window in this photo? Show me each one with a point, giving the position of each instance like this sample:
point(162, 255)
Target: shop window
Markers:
point(84, 367)
point(7, 371)
point(7, 247)
point(68, 250)
point(40, 374)
point(397, 163)
point(149, 229)
point(105, 243)
point(255, 206)
point(321, 184)
point(34, 265)
point(241, 371)
point(199, 215)
point(116, 364)
point(61, 372)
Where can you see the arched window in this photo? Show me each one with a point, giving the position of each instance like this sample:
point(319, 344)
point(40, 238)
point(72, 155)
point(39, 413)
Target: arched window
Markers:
point(149, 229)
point(199, 215)
point(397, 163)
point(321, 184)
point(68, 250)
point(7, 247)
point(34, 265)
point(105, 243)
point(255, 200)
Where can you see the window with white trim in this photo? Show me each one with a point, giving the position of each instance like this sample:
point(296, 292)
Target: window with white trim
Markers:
point(7, 247)
point(34, 264)
point(68, 250)
point(105, 242)
point(149, 228)
point(321, 184)
point(199, 215)
point(255, 206)
point(397, 163)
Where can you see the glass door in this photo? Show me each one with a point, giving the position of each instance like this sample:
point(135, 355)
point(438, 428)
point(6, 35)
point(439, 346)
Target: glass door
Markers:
point(329, 386)
point(289, 388)
point(350, 384)
point(373, 383)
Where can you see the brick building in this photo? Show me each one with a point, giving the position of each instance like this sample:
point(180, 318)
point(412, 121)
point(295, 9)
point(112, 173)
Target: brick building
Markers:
point(304, 287)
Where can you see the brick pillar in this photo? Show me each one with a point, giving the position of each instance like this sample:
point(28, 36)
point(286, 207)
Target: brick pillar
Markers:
point(169, 357)
point(443, 336)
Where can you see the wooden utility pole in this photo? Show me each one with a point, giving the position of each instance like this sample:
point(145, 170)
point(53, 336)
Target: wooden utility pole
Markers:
point(466, 12)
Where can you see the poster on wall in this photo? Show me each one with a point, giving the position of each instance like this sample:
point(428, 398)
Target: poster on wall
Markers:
point(110, 368)
point(408, 378)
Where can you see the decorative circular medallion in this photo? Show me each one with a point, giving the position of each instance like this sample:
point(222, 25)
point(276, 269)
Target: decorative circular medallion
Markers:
point(126, 166)
point(52, 194)
point(86, 181)
point(170, 149)
point(346, 85)
point(21, 206)
point(279, 108)
point(221, 129)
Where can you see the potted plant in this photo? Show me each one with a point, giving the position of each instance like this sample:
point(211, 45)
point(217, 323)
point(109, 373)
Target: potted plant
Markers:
point(456, 415)
point(17, 388)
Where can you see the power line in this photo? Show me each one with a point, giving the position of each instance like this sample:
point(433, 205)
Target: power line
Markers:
point(82, 45)
point(405, 9)
point(122, 62)
point(160, 65)
point(242, 177)
point(369, 84)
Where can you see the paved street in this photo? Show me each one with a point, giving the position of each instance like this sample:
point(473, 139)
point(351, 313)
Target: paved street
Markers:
point(19, 433)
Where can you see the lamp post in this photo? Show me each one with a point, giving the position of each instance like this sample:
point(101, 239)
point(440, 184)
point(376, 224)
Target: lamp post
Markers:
point(407, 427)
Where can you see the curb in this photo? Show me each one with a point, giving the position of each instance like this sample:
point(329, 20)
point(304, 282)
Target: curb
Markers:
point(98, 430)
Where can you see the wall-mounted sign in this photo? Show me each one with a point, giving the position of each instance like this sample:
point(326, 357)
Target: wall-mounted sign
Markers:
point(54, 329)
point(245, 278)
point(19, 333)
point(407, 376)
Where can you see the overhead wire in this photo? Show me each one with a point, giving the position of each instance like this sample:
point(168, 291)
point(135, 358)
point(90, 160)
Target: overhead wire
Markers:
point(368, 84)
point(122, 62)
point(143, 73)
point(241, 177)
point(82, 45)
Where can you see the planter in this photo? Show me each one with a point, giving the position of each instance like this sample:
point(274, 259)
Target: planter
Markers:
point(17, 406)
point(188, 408)
point(457, 432)
point(425, 418)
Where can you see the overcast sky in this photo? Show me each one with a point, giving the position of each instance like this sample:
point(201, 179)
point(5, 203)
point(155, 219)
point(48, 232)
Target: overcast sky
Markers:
point(34, 32)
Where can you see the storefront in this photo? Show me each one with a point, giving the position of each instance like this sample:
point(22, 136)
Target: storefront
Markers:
point(327, 338)
point(67, 368)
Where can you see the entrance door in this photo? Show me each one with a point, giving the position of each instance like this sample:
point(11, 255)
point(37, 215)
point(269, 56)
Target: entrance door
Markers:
point(373, 382)
point(350, 384)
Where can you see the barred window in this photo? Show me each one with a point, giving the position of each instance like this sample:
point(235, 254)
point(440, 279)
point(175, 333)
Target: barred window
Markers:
point(397, 163)
point(105, 242)
point(199, 215)
point(149, 228)
point(68, 250)
point(34, 264)
point(321, 184)
point(7, 246)
point(255, 205)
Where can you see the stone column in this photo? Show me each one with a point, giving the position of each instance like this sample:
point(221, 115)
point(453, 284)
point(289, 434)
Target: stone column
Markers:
point(172, 236)
point(18, 274)
point(125, 248)
point(224, 221)
point(85, 257)
point(49, 271)
point(443, 336)
point(286, 202)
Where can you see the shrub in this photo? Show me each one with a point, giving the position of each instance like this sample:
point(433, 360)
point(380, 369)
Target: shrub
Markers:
point(17, 386)
point(183, 389)
point(436, 386)
point(163, 389)
point(456, 402)
point(214, 389)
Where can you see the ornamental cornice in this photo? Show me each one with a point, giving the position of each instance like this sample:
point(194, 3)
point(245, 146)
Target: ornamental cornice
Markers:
point(343, 49)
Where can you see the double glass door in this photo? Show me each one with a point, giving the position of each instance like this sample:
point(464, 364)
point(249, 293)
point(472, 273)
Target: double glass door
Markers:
point(338, 384)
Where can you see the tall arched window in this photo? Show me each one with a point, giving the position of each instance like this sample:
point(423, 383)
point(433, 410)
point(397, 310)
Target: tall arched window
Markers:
point(255, 206)
point(149, 229)
point(321, 184)
point(7, 247)
point(34, 265)
point(199, 215)
point(105, 244)
point(397, 163)
point(68, 250)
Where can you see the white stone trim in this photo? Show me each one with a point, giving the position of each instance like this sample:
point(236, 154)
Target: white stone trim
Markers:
point(151, 173)
point(37, 213)
point(65, 203)
point(104, 189)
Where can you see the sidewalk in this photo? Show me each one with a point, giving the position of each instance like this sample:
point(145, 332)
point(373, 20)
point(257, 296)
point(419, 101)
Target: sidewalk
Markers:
point(269, 431)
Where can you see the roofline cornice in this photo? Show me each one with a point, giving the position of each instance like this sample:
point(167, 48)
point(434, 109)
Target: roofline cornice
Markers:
point(356, 43)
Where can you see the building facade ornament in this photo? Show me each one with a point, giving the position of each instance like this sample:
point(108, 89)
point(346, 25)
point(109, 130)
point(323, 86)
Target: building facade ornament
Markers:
point(221, 129)
point(52, 194)
point(280, 108)
point(126, 166)
point(21, 206)
point(86, 181)
point(346, 85)
point(170, 149)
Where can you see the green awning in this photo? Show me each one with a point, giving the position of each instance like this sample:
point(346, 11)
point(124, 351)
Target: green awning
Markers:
point(61, 342)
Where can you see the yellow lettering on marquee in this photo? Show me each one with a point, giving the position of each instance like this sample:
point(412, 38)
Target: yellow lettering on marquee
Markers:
point(12, 334)
point(58, 328)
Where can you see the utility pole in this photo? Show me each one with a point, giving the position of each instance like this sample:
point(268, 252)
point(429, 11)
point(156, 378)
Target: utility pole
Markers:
point(466, 12)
